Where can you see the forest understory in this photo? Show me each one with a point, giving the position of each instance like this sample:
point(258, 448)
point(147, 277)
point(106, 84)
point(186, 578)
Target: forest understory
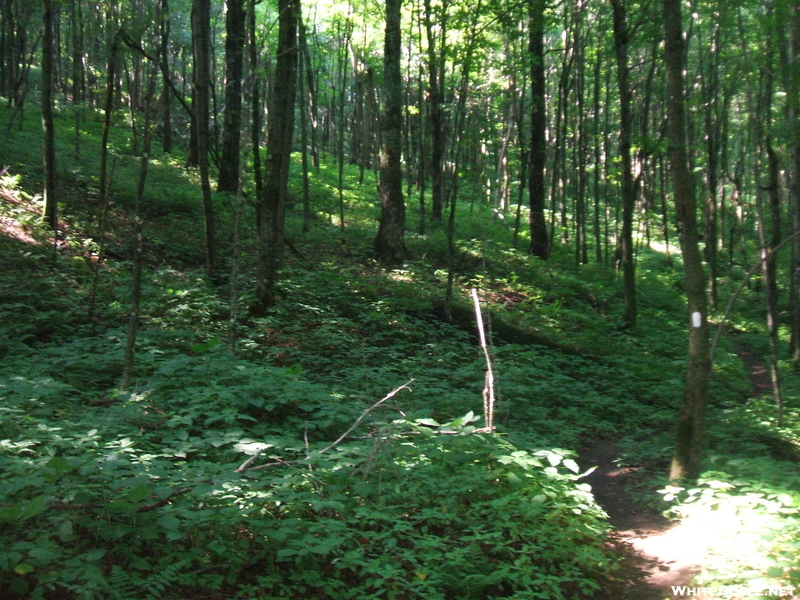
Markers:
point(441, 300)
point(148, 488)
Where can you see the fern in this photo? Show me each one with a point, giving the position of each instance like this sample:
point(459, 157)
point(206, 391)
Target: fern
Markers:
point(124, 585)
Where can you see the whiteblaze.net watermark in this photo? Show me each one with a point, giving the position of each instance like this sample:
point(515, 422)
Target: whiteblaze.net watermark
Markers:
point(733, 591)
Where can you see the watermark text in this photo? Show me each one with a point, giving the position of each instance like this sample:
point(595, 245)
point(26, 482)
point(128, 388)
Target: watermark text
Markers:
point(732, 591)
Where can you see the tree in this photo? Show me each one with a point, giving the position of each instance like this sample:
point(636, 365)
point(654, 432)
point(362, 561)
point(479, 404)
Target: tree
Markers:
point(272, 205)
point(691, 420)
point(435, 100)
point(48, 149)
point(621, 41)
point(231, 131)
point(166, 97)
point(390, 243)
point(201, 44)
point(540, 244)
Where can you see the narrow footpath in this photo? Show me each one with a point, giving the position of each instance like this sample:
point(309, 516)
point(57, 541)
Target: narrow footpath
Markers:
point(657, 555)
point(654, 553)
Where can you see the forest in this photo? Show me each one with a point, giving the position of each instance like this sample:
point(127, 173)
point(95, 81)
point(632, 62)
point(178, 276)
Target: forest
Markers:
point(441, 299)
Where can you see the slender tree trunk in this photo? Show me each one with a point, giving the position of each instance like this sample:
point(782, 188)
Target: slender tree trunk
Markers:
point(524, 158)
point(390, 241)
point(770, 259)
point(598, 239)
point(102, 191)
point(791, 68)
point(710, 91)
point(231, 132)
point(201, 38)
point(166, 97)
point(691, 420)
point(272, 207)
point(136, 284)
point(621, 42)
point(343, 52)
point(422, 172)
point(308, 73)
point(255, 113)
point(48, 149)
point(436, 117)
point(301, 60)
point(76, 23)
point(461, 126)
point(540, 244)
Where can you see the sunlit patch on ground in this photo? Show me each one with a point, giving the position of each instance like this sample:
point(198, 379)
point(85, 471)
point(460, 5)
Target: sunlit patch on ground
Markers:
point(10, 223)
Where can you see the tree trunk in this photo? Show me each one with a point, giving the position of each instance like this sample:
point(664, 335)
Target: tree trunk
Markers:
point(301, 59)
point(621, 41)
point(102, 190)
point(48, 148)
point(76, 22)
point(272, 207)
point(436, 117)
point(540, 245)
point(691, 420)
point(201, 38)
point(138, 259)
point(343, 53)
point(598, 243)
point(166, 97)
point(231, 132)
point(390, 241)
point(791, 67)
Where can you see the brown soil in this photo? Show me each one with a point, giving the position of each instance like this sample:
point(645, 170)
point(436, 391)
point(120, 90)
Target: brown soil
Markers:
point(656, 555)
point(643, 575)
point(757, 371)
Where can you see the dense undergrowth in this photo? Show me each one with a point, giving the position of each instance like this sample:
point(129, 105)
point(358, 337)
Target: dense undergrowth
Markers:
point(225, 475)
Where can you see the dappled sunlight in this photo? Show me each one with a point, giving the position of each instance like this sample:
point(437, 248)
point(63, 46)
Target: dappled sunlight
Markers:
point(730, 533)
point(19, 214)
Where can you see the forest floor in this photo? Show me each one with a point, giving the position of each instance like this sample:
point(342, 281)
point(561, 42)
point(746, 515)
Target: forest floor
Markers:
point(657, 554)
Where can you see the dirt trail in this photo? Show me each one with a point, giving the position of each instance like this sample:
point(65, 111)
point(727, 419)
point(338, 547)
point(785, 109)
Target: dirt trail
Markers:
point(657, 554)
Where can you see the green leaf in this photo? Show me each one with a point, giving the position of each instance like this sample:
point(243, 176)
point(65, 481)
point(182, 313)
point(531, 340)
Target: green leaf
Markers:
point(169, 522)
point(138, 494)
point(23, 569)
point(93, 555)
point(44, 553)
point(10, 513)
point(58, 463)
point(33, 508)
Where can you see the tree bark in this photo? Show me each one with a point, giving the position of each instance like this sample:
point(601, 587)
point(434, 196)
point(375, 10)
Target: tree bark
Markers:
point(791, 67)
point(621, 41)
point(390, 241)
point(691, 420)
point(166, 97)
point(48, 148)
point(231, 132)
point(272, 206)
point(201, 38)
point(436, 117)
point(138, 258)
point(540, 244)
